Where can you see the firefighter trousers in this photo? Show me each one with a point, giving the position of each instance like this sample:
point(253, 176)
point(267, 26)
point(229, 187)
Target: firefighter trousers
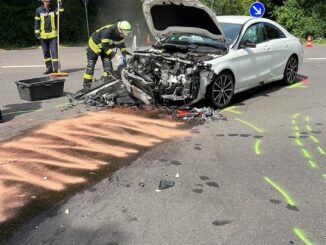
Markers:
point(50, 53)
point(91, 62)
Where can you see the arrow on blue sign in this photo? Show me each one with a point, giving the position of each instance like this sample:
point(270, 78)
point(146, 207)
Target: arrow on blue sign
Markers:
point(257, 9)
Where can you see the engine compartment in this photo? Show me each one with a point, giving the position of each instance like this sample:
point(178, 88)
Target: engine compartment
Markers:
point(166, 77)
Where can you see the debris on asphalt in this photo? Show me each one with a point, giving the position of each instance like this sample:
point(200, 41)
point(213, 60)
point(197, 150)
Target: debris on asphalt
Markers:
point(33, 197)
point(67, 211)
point(177, 175)
point(45, 177)
point(165, 184)
point(141, 184)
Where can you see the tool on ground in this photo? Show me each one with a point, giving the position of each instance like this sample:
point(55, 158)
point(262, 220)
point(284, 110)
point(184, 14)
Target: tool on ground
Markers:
point(59, 73)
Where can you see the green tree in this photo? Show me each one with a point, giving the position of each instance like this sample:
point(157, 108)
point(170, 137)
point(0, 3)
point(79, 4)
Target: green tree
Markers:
point(303, 18)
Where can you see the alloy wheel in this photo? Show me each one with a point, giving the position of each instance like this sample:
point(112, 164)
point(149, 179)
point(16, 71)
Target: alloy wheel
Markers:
point(222, 90)
point(291, 70)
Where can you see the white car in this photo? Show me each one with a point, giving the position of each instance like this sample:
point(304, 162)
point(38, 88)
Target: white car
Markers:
point(199, 56)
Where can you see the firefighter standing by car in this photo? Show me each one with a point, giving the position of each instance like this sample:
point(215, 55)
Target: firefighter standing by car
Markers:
point(46, 31)
point(102, 43)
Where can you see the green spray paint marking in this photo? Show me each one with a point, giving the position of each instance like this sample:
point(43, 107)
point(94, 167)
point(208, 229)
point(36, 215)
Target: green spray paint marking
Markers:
point(314, 139)
point(308, 128)
point(294, 116)
point(298, 142)
point(296, 128)
point(257, 147)
point(250, 125)
point(321, 150)
point(297, 85)
point(312, 164)
point(22, 112)
point(307, 118)
point(302, 236)
point(306, 153)
point(294, 121)
point(63, 105)
point(232, 109)
point(288, 199)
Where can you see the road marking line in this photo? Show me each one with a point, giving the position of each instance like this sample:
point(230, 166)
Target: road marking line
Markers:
point(314, 139)
point(294, 116)
point(232, 109)
point(302, 236)
point(306, 153)
point(257, 147)
point(316, 58)
point(296, 128)
point(23, 66)
point(297, 134)
point(308, 128)
point(250, 125)
point(22, 112)
point(63, 105)
point(321, 151)
point(297, 85)
point(312, 164)
point(288, 199)
point(298, 142)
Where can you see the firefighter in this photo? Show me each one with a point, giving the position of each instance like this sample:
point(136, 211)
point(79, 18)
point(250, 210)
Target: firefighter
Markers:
point(46, 31)
point(102, 43)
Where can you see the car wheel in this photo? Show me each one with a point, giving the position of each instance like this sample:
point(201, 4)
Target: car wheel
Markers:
point(221, 90)
point(291, 70)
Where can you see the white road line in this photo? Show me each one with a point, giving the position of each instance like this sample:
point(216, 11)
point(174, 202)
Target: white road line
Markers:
point(23, 66)
point(316, 58)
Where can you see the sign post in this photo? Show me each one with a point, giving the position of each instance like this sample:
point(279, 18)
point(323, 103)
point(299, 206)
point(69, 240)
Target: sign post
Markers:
point(257, 9)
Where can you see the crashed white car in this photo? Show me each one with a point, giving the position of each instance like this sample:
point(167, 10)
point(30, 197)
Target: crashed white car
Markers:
point(198, 56)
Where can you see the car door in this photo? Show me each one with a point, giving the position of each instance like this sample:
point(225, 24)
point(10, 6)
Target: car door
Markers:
point(253, 63)
point(280, 50)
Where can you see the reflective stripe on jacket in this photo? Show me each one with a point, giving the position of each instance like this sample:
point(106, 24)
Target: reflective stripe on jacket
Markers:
point(45, 22)
point(106, 39)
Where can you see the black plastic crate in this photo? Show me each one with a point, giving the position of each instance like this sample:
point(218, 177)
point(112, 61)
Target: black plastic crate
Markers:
point(40, 88)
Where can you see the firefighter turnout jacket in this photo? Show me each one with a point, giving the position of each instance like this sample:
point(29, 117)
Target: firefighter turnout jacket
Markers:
point(106, 39)
point(45, 22)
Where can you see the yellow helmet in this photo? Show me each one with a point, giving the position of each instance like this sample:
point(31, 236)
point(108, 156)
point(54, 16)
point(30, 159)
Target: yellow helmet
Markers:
point(124, 27)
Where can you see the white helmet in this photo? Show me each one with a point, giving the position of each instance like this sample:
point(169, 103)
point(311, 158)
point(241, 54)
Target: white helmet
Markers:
point(124, 27)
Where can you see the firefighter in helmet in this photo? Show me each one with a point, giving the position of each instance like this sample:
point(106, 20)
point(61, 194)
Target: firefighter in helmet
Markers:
point(104, 43)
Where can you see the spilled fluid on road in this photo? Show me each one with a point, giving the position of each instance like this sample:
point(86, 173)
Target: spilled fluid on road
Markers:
point(49, 164)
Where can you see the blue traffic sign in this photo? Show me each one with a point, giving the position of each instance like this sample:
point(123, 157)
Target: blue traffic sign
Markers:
point(257, 9)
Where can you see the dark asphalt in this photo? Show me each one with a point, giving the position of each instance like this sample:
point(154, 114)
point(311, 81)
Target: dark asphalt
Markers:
point(256, 178)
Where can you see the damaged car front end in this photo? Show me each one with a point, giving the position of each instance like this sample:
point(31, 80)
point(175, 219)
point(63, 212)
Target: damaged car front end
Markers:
point(177, 67)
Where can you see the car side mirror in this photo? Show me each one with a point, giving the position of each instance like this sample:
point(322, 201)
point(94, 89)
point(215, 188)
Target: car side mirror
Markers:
point(249, 44)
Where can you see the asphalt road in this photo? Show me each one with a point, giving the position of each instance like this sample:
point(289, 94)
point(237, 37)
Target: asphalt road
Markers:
point(256, 178)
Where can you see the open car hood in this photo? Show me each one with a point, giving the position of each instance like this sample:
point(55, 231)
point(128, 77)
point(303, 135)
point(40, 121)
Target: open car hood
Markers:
point(166, 17)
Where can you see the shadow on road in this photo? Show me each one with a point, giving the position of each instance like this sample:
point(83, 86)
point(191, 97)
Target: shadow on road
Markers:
point(9, 112)
point(264, 90)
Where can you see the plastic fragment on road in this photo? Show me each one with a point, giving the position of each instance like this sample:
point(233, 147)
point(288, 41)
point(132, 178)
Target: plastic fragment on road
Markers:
point(67, 211)
point(177, 175)
point(45, 177)
point(165, 184)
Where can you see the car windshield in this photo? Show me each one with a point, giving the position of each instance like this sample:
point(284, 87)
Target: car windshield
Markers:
point(231, 31)
point(191, 39)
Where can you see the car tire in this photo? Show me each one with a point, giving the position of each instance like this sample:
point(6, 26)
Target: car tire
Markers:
point(221, 90)
point(291, 71)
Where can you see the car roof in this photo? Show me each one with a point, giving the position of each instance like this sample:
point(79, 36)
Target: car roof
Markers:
point(235, 19)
